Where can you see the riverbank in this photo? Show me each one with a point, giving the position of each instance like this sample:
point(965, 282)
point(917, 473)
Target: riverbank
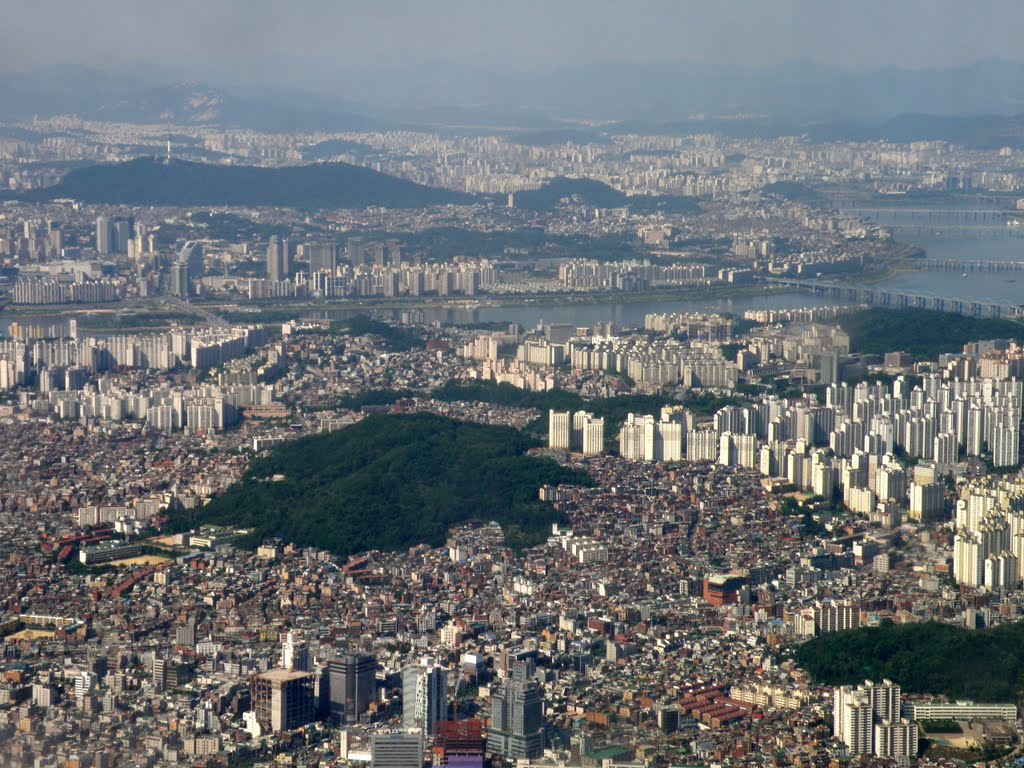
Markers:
point(582, 310)
point(132, 317)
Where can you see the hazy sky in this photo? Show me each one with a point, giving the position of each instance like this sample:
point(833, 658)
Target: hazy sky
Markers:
point(317, 41)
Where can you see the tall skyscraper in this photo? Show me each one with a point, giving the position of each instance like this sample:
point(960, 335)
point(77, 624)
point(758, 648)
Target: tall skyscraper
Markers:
point(180, 280)
point(323, 257)
point(277, 259)
point(192, 254)
point(354, 251)
point(103, 235)
point(121, 233)
point(352, 681)
point(517, 717)
point(424, 696)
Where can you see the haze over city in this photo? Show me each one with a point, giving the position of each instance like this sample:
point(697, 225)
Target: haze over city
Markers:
point(568, 59)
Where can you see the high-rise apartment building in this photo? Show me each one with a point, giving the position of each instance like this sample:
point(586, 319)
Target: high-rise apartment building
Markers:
point(642, 438)
point(559, 430)
point(867, 720)
point(579, 431)
point(120, 234)
point(193, 255)
point(592, 436)
point(354, 251)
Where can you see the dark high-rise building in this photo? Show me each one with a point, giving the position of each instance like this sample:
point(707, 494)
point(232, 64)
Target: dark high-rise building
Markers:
point(517, 717)
point(103, 235)
point(354, 251)
point(376, 254)
point(323, 257)
point(276, 259)
point(352, 681)
point(394, 251)
point(192, 254)
point(179, 280)
point(121, 233)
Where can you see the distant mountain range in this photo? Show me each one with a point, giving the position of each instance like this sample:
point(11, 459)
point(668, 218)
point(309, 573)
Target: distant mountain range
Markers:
point(794, 97)
point(95, 95)
point(795, 92)
point(146, 181)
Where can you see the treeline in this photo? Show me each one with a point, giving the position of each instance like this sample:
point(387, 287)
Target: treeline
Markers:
point(374, 397)
point(983, 665)
point(923, 333)
point(396, 339)
point(391, 482)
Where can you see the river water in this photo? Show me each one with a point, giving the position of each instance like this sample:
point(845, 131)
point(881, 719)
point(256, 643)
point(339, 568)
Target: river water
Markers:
point(532, 314)
point(587, 315)
point(965, 233)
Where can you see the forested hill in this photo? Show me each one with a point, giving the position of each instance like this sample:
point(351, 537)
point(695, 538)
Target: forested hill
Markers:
point(149, 181)
point(391, 482)
point(597, 194)
point(146, 181)
point(923, 333)
point(984, 665)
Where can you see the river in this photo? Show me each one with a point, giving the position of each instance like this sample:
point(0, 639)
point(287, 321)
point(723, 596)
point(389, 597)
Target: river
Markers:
point(962, 233)
point(533, 314)
point(587, 315)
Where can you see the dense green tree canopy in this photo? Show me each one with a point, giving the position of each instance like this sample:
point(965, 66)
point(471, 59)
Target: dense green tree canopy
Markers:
point(923, 333)
point(145, 181)
point(391, 482)
point(983, 665)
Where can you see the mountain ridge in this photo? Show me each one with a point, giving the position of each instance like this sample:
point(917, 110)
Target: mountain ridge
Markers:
point(146, 181)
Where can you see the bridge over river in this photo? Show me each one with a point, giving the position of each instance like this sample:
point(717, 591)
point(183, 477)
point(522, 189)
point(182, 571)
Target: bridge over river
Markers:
point(884, 297)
